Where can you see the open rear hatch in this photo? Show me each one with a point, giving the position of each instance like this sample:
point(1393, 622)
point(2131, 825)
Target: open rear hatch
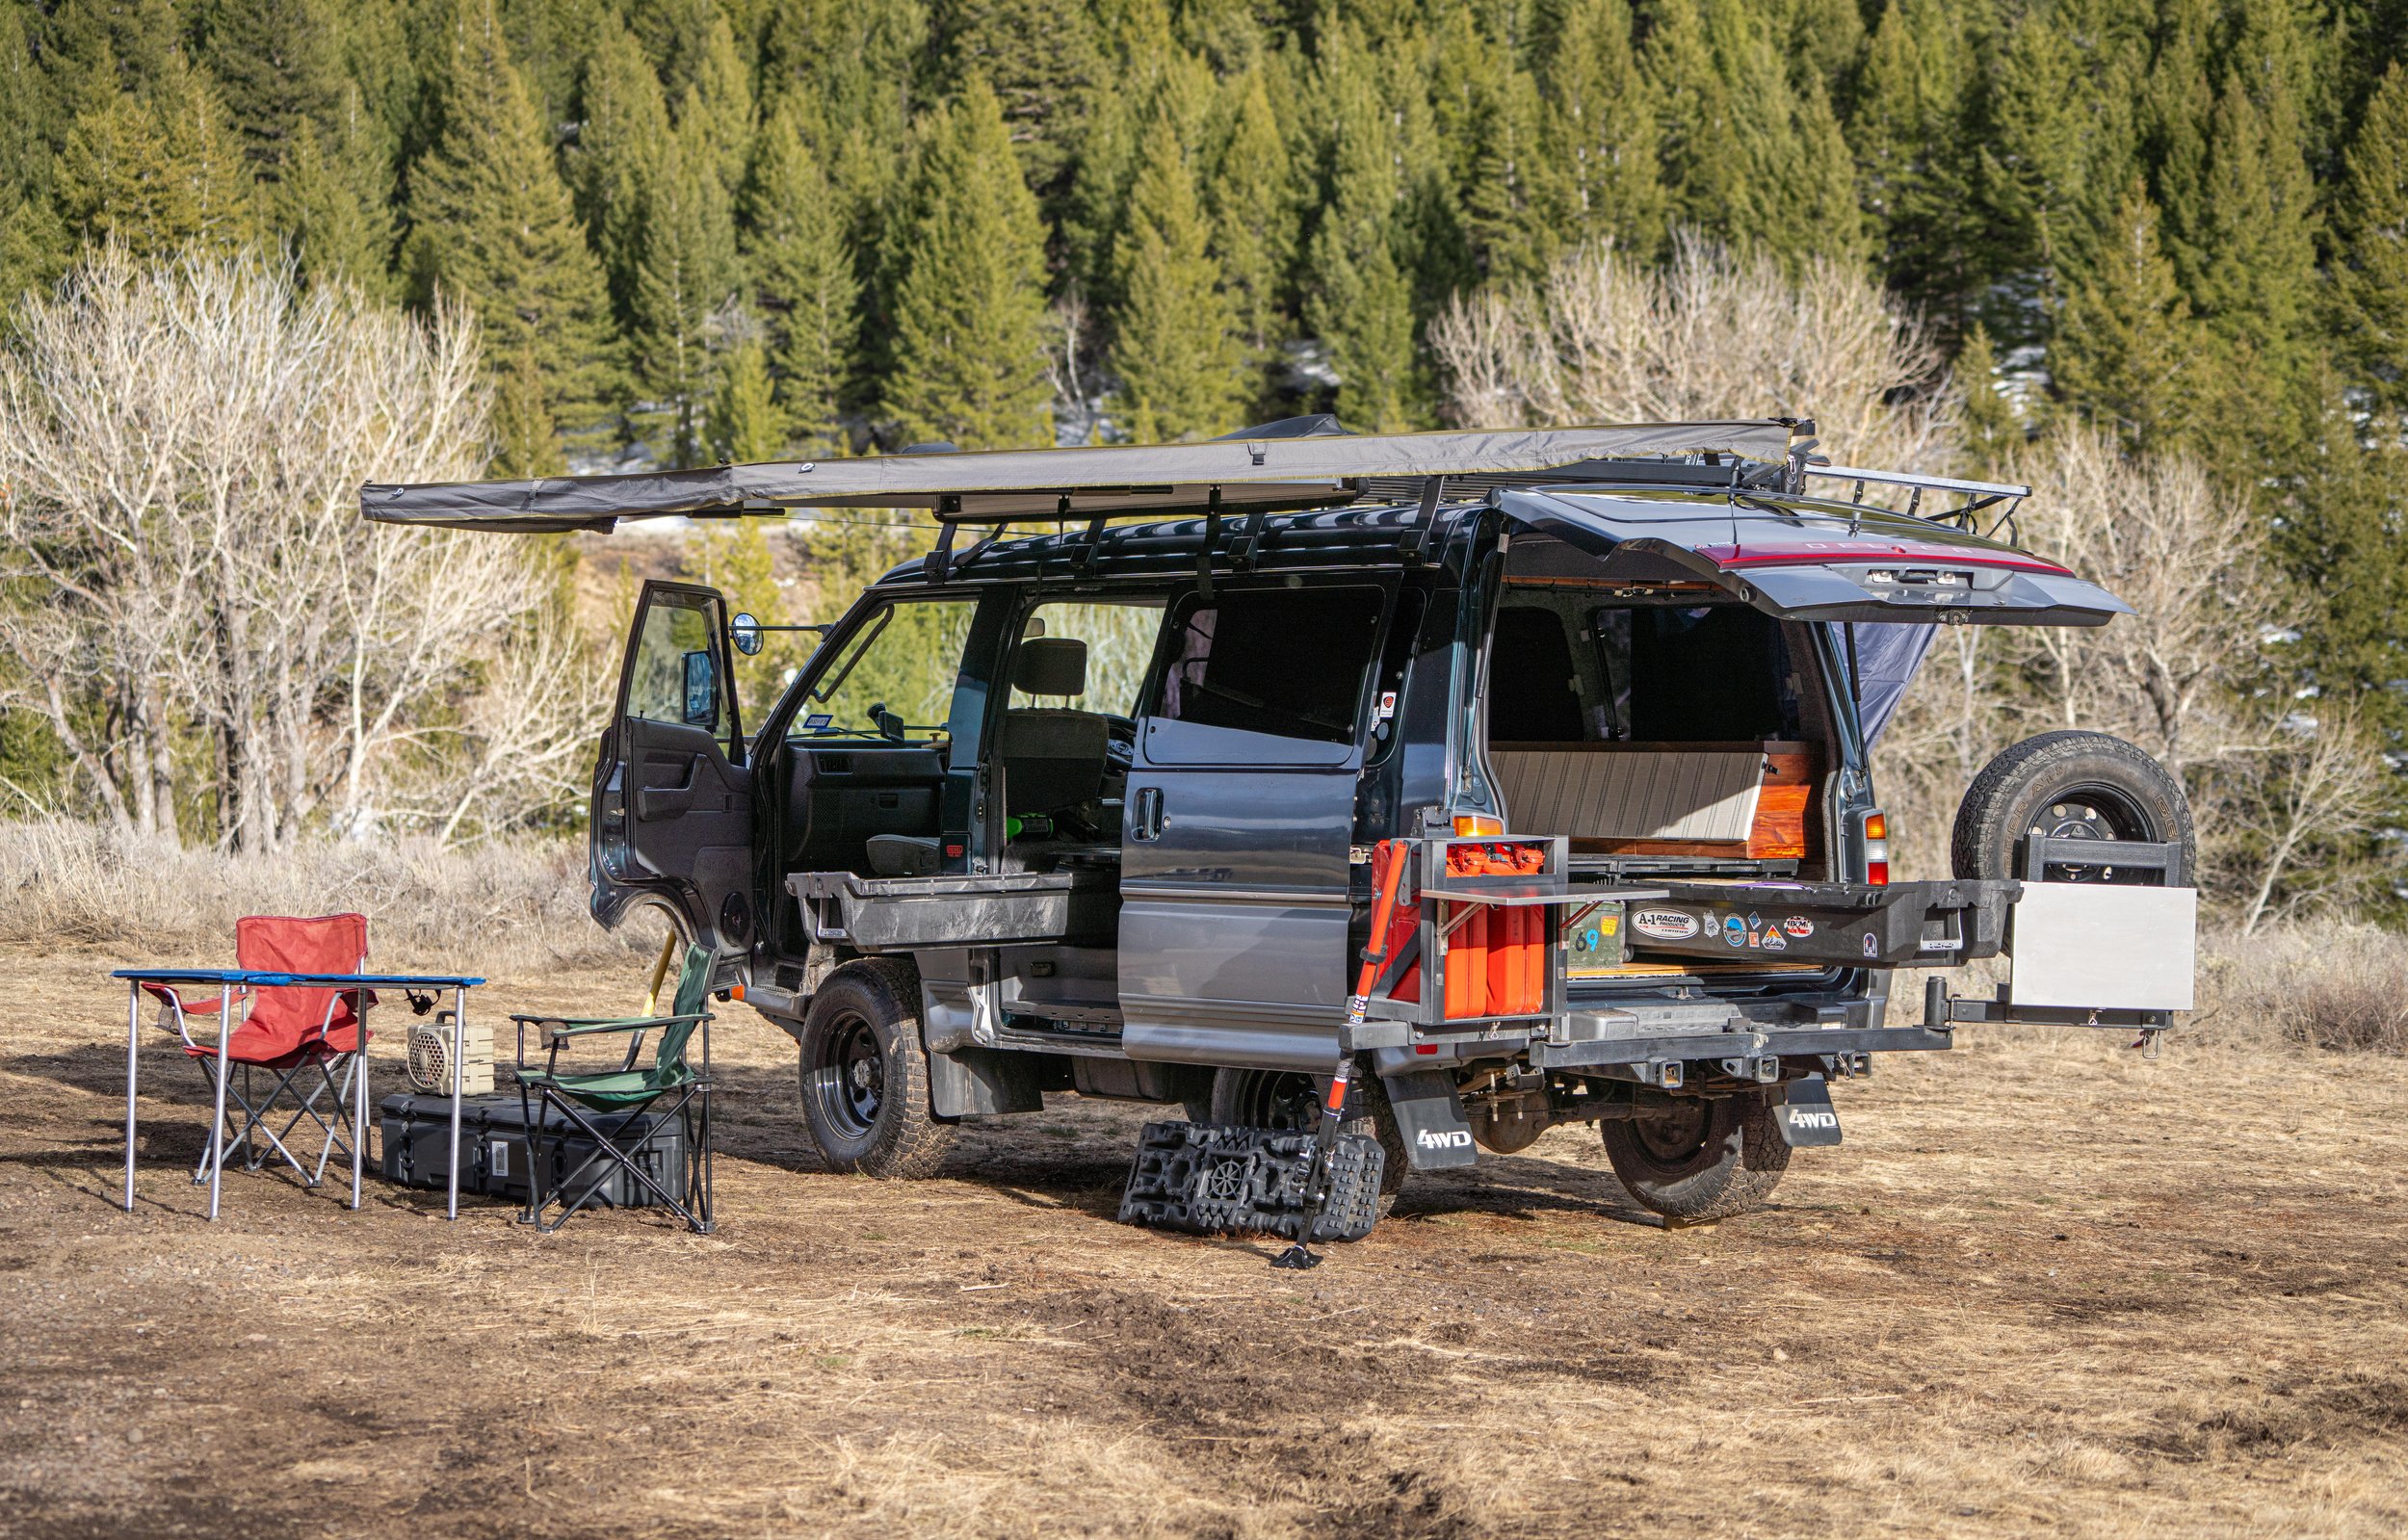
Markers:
point(1804, 559)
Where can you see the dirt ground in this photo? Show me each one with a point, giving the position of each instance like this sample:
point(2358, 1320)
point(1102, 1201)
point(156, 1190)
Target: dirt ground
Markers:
point(2045, 1286)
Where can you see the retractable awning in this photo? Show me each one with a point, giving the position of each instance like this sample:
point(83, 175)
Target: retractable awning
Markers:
point(1244, 473)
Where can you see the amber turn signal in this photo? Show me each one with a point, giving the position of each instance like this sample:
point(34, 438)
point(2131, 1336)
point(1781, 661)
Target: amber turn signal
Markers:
point(1478, 827)
point(1877, 827)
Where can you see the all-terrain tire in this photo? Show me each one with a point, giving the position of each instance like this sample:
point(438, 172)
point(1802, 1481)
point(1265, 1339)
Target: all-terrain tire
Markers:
point(865, 1074)
point(1290, 1100)
point(2075, 784)
point(1723, 1157)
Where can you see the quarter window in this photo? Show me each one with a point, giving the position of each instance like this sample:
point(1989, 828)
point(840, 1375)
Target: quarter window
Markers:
point(1288, 663)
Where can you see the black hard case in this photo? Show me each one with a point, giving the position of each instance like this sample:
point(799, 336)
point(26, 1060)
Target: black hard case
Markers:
point(493, 1153)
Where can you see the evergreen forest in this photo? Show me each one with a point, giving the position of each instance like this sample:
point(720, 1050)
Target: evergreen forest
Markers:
point(699, 230)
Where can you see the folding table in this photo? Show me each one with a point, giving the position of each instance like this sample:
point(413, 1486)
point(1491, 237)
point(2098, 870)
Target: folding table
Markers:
point(230, 980)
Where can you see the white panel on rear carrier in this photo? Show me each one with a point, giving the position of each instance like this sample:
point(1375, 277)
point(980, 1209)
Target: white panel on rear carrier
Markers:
point(2102, 946)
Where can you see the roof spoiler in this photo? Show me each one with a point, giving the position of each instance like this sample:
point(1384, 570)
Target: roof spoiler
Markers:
point(1274, 468)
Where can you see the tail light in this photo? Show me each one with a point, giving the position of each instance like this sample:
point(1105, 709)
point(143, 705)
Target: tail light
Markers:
point(1876, 825)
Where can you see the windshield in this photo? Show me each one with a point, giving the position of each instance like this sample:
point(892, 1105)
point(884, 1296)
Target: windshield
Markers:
point(894, 678)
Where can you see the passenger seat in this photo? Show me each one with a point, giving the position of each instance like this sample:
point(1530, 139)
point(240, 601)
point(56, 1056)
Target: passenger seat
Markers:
point(1052, 759)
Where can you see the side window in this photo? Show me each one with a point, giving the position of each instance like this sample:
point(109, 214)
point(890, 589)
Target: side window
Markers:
point(894, 678)
point(675, 674)
point(1119, 641)
point(1287, 662)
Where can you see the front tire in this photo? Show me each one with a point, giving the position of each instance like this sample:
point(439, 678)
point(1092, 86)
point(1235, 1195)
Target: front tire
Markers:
point(1699, 1157)
point(865, 1075)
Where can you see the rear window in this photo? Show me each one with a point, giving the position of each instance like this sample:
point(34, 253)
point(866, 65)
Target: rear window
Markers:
point(1705, 673)
point(1289, 662)
point(1563, 670)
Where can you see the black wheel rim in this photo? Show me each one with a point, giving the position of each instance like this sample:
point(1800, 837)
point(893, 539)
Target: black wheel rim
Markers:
point(1281, 1099)
point(1674, 1139)
point(2091, 812)
point(848, 1083)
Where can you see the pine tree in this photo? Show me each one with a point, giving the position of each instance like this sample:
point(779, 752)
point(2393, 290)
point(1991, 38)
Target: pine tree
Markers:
point(279, 67)
point(745, 426)
point(1602, 128)
point(334, 203)
point(968, 324)
point(1254, 212)
point(1175, 348)
point(677, 38)
point(157, 170)
point(1044, 62)
point(1516, 206)
point(616, 161)
point(2061, 145)
point(2129, 353)
point(1914, 165)
point(2370, 248)
point(492, 225)
point(803, 275)
point(1361, 300)
point(1992, 429)
point(2342, 535)
point(526, 442)
point(719, 107)
point(1751, 157)
point(687, 273)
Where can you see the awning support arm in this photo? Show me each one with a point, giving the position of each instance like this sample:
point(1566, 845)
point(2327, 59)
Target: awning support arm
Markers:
point(940, 561)
point(1211, 539)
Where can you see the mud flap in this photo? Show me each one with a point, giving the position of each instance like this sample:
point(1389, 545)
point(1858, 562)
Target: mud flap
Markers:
point(1209, 1179)
point(1807, 1118)
point(1430, 1116)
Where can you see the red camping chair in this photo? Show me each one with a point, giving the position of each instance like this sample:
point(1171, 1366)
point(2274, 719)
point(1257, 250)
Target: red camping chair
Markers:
point(309, 1037)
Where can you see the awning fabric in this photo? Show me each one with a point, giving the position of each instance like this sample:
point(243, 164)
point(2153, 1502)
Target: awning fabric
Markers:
point(1003, 485)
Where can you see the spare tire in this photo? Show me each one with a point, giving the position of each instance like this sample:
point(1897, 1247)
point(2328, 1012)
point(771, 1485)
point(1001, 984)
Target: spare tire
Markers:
point(2069, 785)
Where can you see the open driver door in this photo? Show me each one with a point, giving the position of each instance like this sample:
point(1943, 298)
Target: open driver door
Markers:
point(673, 794)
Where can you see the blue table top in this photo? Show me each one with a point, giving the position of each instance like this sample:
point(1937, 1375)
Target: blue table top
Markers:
point(253, 979)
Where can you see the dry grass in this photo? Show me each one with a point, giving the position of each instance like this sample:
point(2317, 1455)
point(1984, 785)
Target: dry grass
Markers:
point(2045, 1287)
point(2331, 985)
point(500, 906)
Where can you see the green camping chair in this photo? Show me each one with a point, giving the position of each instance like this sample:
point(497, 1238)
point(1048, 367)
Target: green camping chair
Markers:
point(615, 1110)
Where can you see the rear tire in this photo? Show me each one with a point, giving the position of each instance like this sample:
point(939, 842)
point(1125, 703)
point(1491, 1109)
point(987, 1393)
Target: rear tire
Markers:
point(1290, 1101)
point(2070, 785)
point(1703, 1159)
point(865, 1075)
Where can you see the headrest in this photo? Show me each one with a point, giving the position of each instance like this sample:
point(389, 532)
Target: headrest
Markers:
point(1050, 666)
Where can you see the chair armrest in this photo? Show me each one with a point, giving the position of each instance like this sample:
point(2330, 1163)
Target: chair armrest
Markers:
point(594, 1025)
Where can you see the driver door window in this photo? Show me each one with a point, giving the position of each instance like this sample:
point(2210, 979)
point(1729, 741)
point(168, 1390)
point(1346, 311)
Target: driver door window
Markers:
point(677, 674)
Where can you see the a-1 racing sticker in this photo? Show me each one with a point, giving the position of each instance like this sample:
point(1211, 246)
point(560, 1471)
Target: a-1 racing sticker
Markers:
point(1663, 924)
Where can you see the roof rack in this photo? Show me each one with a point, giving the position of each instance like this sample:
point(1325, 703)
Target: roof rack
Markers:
point(1978, 495)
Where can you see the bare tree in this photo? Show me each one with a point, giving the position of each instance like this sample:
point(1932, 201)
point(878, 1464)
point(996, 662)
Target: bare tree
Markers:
point(1603, 338)
point(183, 445)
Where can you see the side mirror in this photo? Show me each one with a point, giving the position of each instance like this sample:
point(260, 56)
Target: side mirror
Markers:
point(745, 632)
point(702, 697)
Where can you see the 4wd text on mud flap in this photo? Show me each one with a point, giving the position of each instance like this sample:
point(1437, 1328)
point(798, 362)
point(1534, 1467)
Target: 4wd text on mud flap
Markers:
point(1443, 1139)
point(1815, 1119)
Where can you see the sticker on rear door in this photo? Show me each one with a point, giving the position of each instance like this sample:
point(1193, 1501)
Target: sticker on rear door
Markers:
point(1663, 924)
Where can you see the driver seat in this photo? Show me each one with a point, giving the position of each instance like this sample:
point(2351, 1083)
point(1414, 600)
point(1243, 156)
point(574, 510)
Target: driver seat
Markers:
point(1052, 757)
